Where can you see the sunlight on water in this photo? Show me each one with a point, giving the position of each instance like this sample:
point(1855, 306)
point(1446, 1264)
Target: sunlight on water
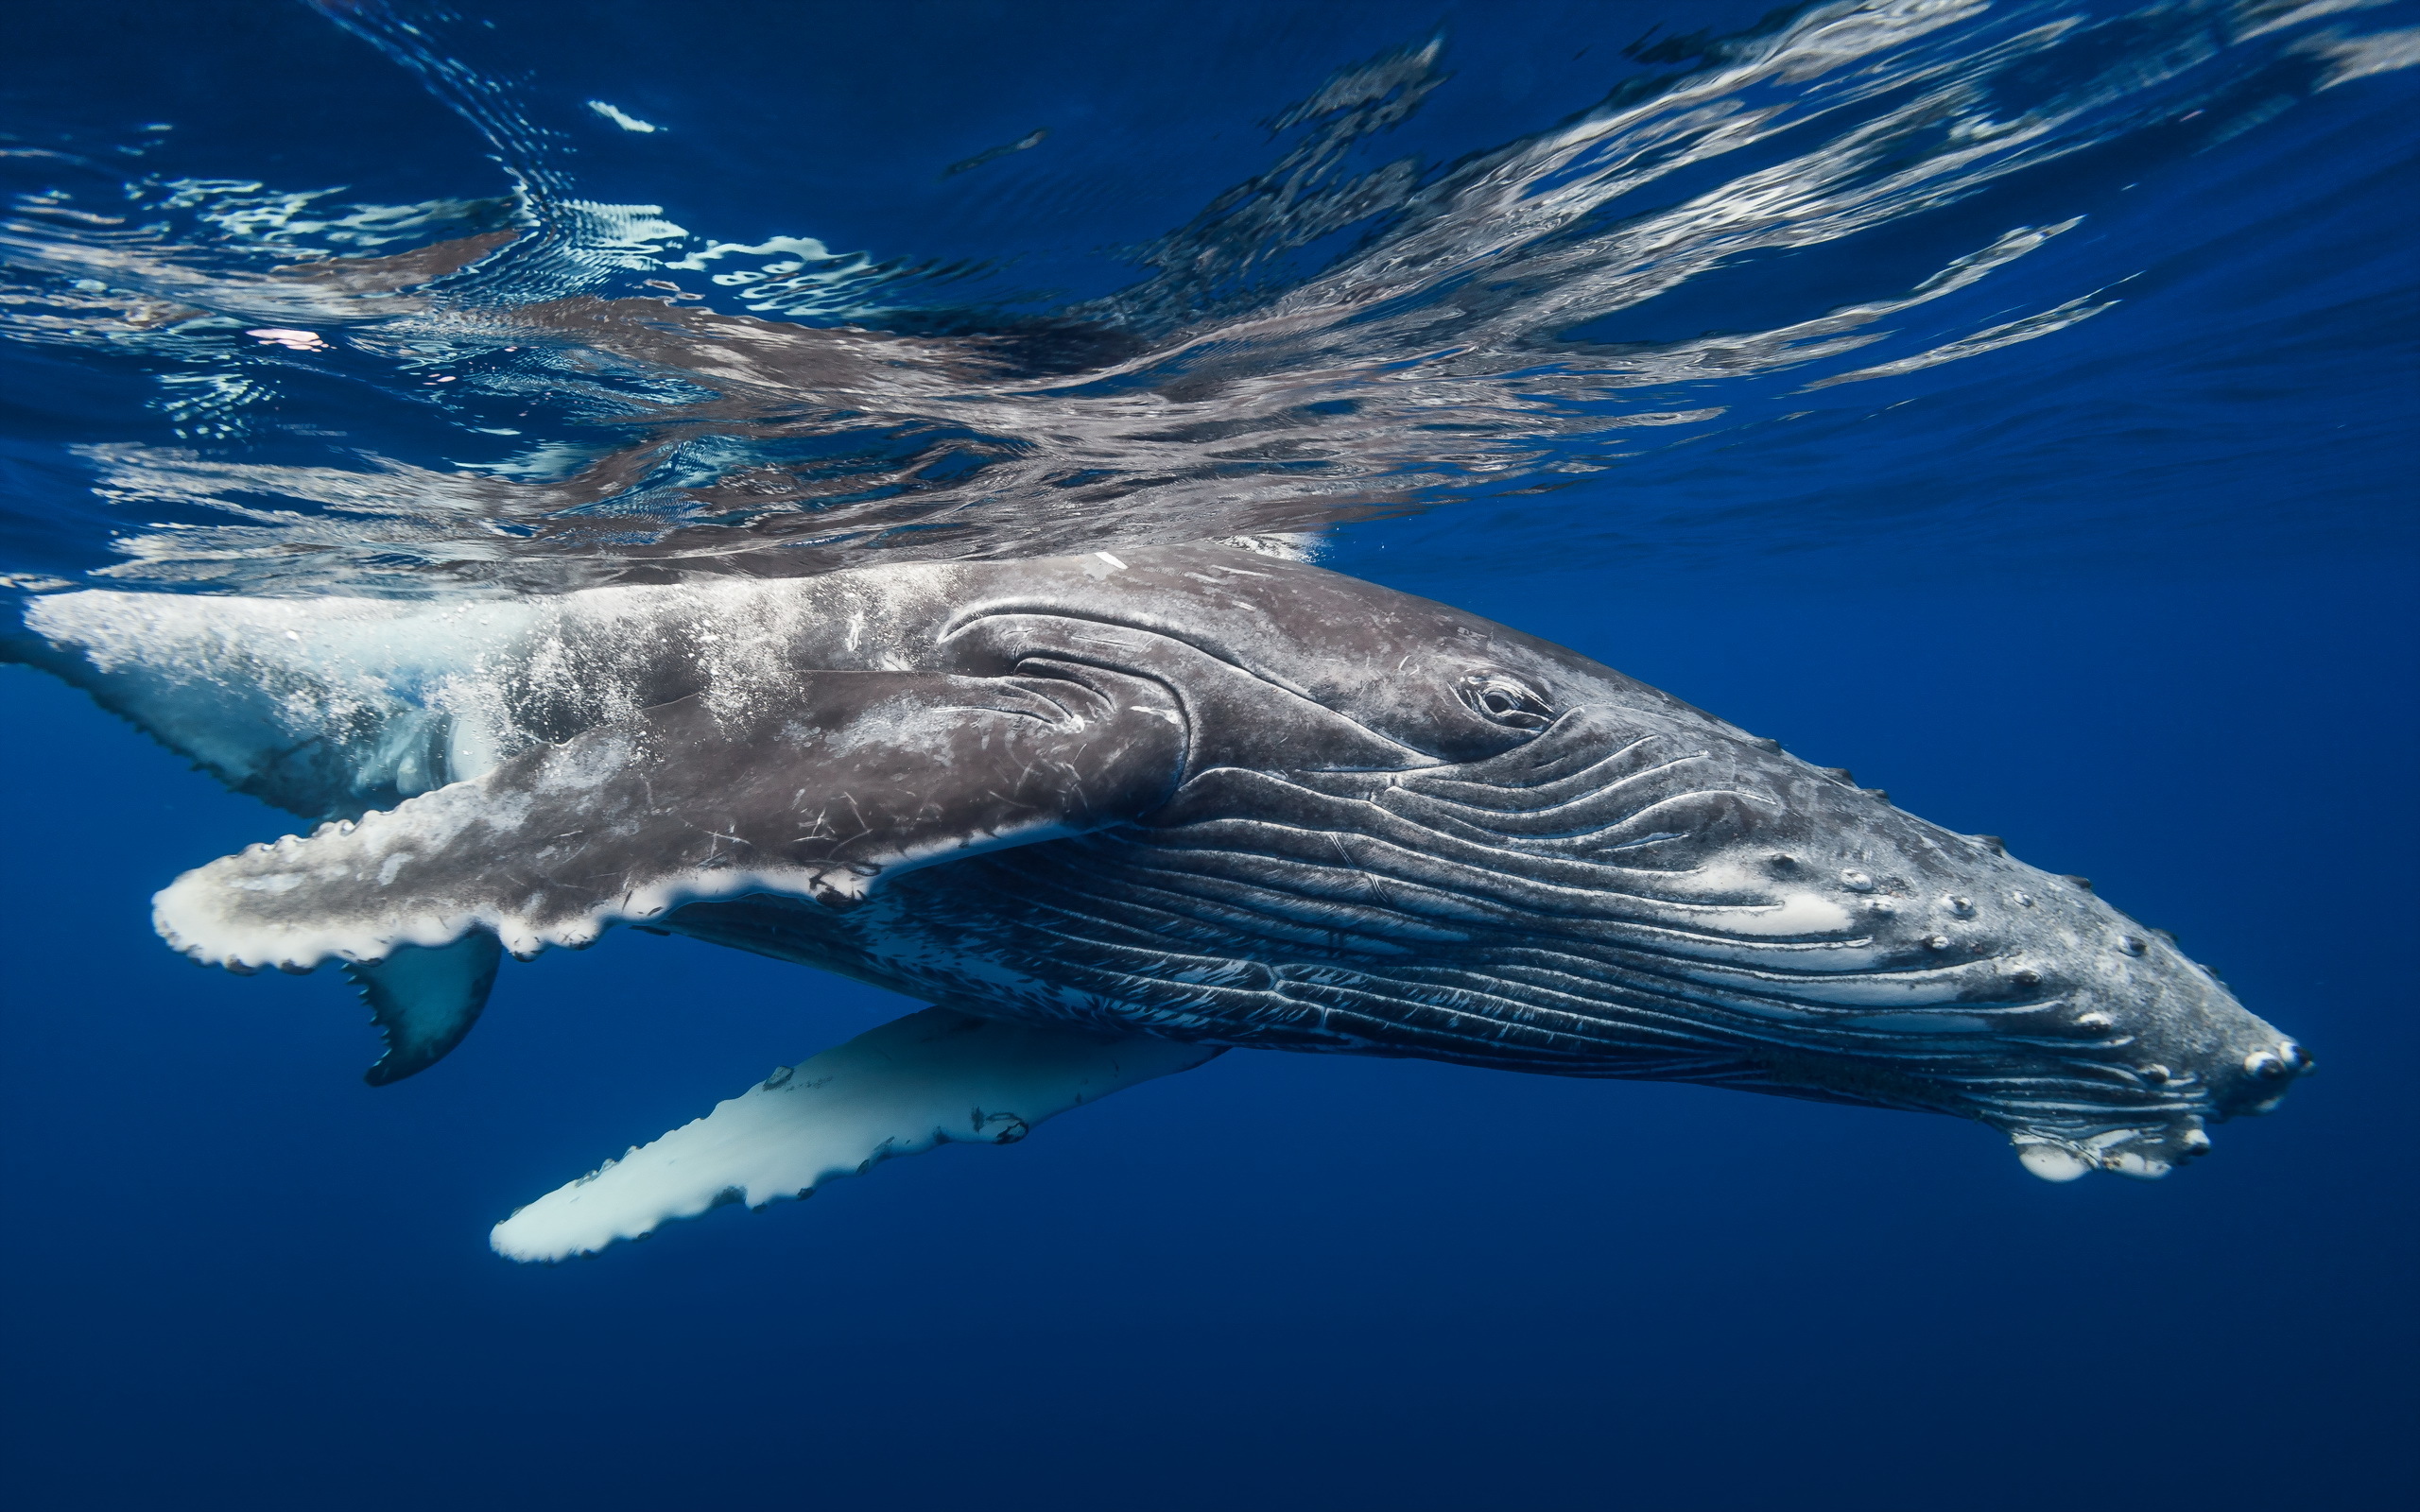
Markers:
point(1745, 243)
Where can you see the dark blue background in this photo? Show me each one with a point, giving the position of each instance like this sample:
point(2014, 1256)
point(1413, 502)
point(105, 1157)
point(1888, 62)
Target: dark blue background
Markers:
point(234, 1276)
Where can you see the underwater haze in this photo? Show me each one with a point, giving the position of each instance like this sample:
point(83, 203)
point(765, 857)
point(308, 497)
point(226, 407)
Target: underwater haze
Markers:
point(2011, 401)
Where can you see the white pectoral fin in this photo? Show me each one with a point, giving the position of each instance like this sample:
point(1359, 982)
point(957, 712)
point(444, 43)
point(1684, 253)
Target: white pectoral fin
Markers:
point(929, 1078)
point(846, 776)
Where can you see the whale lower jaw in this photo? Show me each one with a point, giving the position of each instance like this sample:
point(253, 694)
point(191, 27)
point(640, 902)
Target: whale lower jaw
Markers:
point(2145, 1154)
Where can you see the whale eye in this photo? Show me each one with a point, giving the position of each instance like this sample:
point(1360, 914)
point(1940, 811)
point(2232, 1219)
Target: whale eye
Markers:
point(1498, 698)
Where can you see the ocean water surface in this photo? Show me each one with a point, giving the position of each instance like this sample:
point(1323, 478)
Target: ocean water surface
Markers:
point(2009, 399)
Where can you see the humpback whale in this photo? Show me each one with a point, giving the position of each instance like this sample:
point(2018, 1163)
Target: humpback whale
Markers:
point(1112, 816)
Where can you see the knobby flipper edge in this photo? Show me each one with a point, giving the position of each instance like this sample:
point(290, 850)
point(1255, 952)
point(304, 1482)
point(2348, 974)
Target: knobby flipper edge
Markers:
point(934, 1078)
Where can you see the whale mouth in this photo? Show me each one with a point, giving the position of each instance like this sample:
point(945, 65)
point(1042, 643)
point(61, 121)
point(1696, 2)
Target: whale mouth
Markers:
point(2143, 1154)
point(2147, 1152)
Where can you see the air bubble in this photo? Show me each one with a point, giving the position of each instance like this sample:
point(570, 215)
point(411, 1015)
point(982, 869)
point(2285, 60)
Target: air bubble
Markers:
point(1963, 907)
point(1856, 882)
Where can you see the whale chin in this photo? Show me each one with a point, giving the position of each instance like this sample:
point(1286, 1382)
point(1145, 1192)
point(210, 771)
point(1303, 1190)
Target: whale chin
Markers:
point(2148, 1151)
point(2144, 1153)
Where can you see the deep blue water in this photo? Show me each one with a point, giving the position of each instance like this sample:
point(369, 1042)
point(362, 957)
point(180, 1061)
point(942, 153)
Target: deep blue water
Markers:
point(2111, 555)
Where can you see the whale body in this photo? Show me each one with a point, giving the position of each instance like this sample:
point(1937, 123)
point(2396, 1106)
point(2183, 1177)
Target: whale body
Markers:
point(1112, 816)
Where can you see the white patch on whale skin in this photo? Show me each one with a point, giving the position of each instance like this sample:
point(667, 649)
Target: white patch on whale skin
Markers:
point(1948, 983)
point(2062, 1159)
point(2051, 1163)
point(201, 914)
point(276, 882)
point(241, 683)
point(1287, 545)
point(213, 915)
point(1921, 1022)
point(2140, 1167)
point(1799, 913)
point(931, 1078)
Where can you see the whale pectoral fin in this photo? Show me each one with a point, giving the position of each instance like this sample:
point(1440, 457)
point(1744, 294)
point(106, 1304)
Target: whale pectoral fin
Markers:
point(425, 1001)
point(849, 776)
point(932, 1077)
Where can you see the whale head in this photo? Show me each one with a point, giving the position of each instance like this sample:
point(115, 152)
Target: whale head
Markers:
point(1438, 836)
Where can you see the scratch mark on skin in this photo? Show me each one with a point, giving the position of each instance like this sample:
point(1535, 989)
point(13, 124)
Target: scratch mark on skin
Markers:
point(1369, 878)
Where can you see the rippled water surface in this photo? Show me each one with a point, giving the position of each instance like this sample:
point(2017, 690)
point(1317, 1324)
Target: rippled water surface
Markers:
point(1907, 267)
point(2015, 393)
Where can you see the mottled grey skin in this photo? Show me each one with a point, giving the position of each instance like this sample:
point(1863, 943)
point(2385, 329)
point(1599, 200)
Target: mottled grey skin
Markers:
point(1231, 800)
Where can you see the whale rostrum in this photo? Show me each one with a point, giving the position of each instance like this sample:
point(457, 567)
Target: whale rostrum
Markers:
point(1113, 814)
